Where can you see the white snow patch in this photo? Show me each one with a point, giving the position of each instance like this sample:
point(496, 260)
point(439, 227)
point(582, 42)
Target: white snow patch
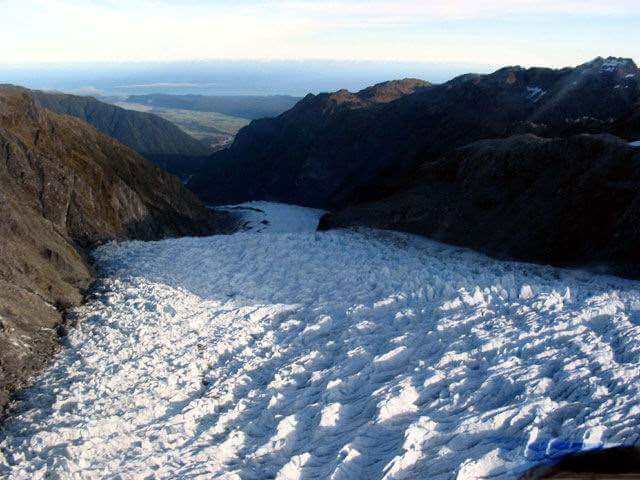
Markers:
point(294, 470)
point(526, 292)
point(280, 352)
point(535, 93)
point(276, 217)
point(330, 415)
point(612, 64)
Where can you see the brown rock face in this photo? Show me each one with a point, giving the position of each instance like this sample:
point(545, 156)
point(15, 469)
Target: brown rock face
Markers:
point(65, 187)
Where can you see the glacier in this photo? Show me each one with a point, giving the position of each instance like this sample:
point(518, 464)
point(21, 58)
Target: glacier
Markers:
point(281, 352)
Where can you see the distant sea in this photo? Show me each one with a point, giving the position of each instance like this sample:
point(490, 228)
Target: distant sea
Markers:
point(224, 77)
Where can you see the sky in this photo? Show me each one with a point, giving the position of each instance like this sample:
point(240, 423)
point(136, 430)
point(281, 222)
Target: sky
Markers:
point(490, 32)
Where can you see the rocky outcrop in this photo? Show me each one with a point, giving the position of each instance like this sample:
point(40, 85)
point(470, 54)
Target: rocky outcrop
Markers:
point(573, 201)
point(333, 150)
point(386, 92)
point(599, 464)
point(65, 187)
point(151, 136)
point(629, 125)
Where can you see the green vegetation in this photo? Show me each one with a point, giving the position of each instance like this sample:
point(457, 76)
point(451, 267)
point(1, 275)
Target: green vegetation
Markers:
point(245, 106)
point(212, 128)
point(205, 121)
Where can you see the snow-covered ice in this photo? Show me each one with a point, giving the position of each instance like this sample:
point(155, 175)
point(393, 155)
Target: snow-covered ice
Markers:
point(284, 353)
point(611, 64)
point(535, 93)
point(267, 217)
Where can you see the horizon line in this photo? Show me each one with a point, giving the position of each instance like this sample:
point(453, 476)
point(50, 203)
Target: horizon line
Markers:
point(455, 63)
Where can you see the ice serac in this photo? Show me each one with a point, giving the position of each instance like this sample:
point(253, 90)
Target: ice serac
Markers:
point(573, 201)
point(65, 187)
point(334, 150)
point(151, 136)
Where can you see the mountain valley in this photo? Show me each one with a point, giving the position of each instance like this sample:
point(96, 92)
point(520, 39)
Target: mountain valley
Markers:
point(410, 281)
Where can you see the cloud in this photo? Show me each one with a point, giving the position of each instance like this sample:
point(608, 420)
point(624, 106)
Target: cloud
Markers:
point(431, 30)
point(166, 85)
point(88, 90)
point(418, 10)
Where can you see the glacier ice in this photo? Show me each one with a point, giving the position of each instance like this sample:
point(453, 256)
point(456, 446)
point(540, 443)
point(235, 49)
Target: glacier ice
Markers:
point(280, 352)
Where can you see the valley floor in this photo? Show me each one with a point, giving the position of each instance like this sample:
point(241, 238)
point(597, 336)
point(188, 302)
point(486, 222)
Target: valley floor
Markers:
point(284, 353)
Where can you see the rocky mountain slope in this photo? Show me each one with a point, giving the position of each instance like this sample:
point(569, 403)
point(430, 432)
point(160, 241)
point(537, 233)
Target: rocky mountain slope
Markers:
point(573, 201)
point(333, 150)
point(309, 153)
point(150, 135)
point(65, 187)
